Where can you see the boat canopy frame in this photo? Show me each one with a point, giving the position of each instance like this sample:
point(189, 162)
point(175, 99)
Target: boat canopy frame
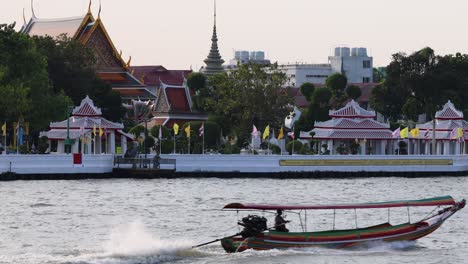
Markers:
point(433, 202)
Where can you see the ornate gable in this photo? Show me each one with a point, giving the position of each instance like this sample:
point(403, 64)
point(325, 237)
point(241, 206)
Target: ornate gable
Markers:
point(449, 112)
point(352, 110)
point(87, 108)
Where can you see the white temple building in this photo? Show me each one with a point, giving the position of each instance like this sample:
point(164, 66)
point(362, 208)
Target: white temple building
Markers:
point(84, 128)
point(447, 122)
point(350, 126)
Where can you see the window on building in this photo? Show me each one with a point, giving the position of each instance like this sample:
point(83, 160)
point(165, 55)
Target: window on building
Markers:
point(293, 75)
point(365, 79)
point(366, 64)
point(316, 76)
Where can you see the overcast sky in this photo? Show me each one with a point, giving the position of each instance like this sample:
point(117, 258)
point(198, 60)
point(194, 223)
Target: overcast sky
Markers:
point(176, 33)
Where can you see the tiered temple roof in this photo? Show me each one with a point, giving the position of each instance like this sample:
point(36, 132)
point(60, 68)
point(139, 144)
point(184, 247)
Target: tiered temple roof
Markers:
point(352, 122)
point(91, 32)
point(84, 118)
point(214, 62)
point(446, 120)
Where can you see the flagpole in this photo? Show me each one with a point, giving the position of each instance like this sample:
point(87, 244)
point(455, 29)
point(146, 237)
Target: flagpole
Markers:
point(203, 145)
point(174, 141)
point(292, 153)
point(5, 145)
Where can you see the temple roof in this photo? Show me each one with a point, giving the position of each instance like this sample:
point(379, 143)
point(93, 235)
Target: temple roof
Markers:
point(154, 75)
point(86, 108)
point(352, 110)
point(53, 27)
point(347, 123)
point(86, 116)
point(449, 112)
point(352, 122)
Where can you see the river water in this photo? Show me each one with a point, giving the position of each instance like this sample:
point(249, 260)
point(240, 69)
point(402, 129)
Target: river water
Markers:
point(129, 221)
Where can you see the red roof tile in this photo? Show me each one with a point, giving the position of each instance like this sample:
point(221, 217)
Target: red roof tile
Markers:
point(152, 75)
point(177, 99)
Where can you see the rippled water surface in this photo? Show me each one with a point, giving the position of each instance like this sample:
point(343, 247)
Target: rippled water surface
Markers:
point(157, 221)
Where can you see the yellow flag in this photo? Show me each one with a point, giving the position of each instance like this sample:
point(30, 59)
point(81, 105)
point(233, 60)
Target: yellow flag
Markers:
point(266, 133)
point(176, 128)
point(459, 132)
point(404, 133)
point(187, 131)
point(281, 134)
point(4, 129)
point(414, 132)
point(94, 129)
point(100, 132)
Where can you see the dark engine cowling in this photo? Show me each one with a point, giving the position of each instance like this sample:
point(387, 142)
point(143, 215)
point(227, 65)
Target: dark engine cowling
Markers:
point(253, 225)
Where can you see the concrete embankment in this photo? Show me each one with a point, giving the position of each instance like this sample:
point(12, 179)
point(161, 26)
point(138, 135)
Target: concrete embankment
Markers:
point(64, 167)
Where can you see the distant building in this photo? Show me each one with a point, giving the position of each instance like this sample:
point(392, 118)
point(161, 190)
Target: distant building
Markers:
point(354, 63)
point(246, 57)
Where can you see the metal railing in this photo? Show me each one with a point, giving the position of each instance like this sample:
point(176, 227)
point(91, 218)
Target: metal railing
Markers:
point(144, 163)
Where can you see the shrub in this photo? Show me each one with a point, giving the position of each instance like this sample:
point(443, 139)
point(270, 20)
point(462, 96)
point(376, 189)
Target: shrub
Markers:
point(297, 146)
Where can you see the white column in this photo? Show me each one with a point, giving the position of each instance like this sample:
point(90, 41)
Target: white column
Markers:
point(112, 142)
point(457, 148)
point(418, 146)
point(76, 147)
point(123, 144)
point(383, 144)
point(363, 148)
point(439, 147)
point(88, 146)
point(427, 145)
point(447, 147)
point(60, 146)
point(330, 147)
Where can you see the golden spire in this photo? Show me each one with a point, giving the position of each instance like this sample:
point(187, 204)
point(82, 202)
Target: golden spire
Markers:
point(129, 60)
point(120, 53)
point(24, 18)
point(89, 7)
point(99, 13)
point(32, 9)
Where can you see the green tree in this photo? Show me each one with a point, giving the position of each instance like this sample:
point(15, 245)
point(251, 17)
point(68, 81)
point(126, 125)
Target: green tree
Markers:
point(337, 83)
point(196, 81)
point(322, 96)
point(24, 82)
point(71, 69)
point(353, 92)
point(247, 95)
point(307, 89)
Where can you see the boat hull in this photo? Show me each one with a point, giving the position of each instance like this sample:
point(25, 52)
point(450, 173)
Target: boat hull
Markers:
point(329, 239)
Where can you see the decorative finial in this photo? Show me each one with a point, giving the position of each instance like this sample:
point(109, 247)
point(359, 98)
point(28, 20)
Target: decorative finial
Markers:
point(99, 12)
point(215, 13)
point(143, 78)
point(129, 60)
point(120, 53)
point(89, 7)
point(32, 9)
point(24, 18)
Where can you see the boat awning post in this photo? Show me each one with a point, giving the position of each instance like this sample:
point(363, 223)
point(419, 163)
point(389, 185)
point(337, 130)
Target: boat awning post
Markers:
point(305, 217)
point(355, 217)
point(334, 219)
point(409, 219)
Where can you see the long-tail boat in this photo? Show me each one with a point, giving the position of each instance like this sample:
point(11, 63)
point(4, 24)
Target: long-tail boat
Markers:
point(256, 235)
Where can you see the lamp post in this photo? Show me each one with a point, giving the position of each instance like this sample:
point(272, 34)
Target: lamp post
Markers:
point(68, 142)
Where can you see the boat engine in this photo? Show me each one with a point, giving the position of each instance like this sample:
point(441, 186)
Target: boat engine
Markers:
point(253, 225)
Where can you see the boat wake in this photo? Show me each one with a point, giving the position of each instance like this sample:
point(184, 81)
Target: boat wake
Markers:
point(134, 244)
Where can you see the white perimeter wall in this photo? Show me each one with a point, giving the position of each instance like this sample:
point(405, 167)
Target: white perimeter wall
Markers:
point(56, 164)
point(271, 163)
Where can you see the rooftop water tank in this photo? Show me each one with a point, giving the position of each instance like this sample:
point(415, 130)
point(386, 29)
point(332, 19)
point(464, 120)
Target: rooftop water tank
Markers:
point(345, 51)
point(257, 55)
point(244, 56)
point(362, 52)
point(237, 55)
